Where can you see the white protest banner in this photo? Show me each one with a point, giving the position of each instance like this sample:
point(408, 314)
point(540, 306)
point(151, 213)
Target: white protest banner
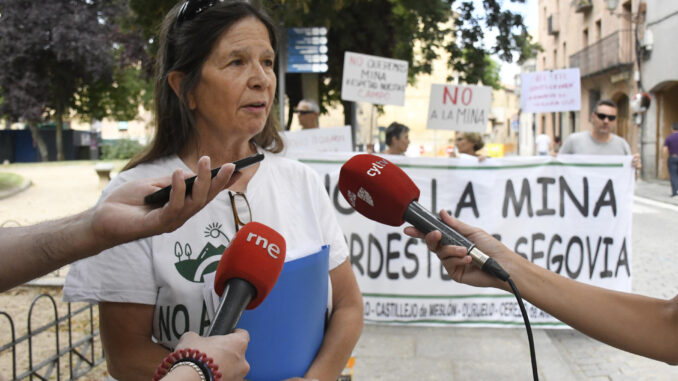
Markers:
point(551, 91)
point(332, 139)
point(373, 79)
point(571, 215)
point(459, 108)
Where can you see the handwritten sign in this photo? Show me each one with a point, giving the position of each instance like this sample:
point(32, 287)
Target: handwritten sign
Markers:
point(334, 139)
point(551, 91)
point(374, 79)
point(459, 108)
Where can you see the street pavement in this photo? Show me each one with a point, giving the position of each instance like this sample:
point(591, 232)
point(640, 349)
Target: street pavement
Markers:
point(432, 353)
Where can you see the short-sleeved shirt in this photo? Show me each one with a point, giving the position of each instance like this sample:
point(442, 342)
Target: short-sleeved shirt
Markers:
point(583, 143)
point(672, 143)
point(169, 270)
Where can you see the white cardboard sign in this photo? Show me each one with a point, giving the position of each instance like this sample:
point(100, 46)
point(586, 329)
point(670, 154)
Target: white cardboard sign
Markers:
point(374, 79)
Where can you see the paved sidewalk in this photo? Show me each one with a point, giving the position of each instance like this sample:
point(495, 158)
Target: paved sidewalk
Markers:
point(657, 190)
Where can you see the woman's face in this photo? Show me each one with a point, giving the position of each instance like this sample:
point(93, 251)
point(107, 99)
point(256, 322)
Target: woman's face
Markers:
point(237, 84)
point(464, 146)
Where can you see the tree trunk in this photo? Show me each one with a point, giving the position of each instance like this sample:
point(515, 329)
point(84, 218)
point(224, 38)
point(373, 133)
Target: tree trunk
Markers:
point(59, 135)
point(37, 140)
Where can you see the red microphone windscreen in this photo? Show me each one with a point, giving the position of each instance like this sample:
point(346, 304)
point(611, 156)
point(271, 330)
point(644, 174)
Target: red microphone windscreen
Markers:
point(257, 255)
point(377, 188)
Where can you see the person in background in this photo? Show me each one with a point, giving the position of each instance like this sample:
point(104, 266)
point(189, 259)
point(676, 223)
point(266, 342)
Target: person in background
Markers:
point(557, 143)
point(28, 252)
point(670, 153)
point(469, 143)
point(307, 111)
point(543, 143)
point(600, 140)
point(397, 139)
point(603, 314)
point(214, 92)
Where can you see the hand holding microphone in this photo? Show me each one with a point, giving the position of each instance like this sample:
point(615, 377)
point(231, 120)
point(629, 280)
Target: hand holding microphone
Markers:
point(227, 351)
point(246, 274)
point(381, 191)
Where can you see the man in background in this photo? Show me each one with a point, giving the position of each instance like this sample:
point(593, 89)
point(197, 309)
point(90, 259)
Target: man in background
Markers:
point(600, 140)
point(543, 143)
point(307, 111)
point(670, 153)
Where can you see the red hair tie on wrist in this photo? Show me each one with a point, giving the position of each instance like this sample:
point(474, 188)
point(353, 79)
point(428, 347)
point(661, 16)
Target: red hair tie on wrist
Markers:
point(209, 369)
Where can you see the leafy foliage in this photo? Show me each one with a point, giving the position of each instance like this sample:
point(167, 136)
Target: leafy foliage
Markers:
point(122, 149)
point(417, 31)
point(63, 55)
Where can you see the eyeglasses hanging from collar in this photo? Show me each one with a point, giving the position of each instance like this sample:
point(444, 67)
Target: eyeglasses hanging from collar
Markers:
point(242, 214)
point(192, 8)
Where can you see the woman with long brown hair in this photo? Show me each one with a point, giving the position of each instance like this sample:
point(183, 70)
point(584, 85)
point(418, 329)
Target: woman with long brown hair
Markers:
point(215, 89)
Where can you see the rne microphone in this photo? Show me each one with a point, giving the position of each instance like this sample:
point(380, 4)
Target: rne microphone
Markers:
point(246, 273)
point(381, 191)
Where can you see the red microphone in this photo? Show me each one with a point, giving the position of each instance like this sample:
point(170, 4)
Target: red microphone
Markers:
point(381, 191)
point(247, 272)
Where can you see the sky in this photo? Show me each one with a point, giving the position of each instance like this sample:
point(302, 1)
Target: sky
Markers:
point(530, 11)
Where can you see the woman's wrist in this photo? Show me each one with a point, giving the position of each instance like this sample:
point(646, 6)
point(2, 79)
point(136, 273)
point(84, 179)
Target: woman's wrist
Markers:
point(181, 372)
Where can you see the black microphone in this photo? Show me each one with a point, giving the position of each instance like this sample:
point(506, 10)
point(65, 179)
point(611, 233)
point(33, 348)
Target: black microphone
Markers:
point(247, 272)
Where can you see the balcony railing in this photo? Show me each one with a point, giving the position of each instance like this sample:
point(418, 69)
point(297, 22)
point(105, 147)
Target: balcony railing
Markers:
point(612, 52)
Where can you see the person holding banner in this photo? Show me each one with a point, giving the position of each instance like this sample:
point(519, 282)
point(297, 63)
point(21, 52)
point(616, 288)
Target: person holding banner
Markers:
point(600, 140)
point(639, 324)
point(397, 139)
point(214, 92)
point(469, 143)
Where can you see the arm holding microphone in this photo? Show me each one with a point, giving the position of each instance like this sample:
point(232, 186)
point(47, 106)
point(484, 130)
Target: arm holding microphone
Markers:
point(642, 325)
point(31, 251)
point(227, 351)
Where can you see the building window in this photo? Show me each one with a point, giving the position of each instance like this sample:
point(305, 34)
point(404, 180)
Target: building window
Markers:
point(599, 30)
point(585, 38)
point(565, 63)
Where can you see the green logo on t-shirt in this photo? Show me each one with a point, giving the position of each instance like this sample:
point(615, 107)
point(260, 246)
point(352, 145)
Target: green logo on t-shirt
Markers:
point(207, 261)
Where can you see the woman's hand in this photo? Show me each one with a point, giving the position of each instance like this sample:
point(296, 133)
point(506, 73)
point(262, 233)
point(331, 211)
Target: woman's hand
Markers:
point(123, 216)
point(455, 259)
point(227, 351)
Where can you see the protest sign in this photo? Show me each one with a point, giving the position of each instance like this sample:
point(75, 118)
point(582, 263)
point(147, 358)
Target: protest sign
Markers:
point(570, 215)
point(551, 91)
point(374, 79)
point(459, 108)
point(332, 139)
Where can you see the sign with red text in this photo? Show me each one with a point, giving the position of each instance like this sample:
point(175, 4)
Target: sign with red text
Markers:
point(551, 91)
point(459, 108)
point(374, 79)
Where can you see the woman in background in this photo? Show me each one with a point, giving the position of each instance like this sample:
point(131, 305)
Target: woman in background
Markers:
point(469, 143)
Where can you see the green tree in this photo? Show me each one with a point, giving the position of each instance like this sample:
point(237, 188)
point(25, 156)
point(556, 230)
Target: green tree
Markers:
point(392, 28)
point(64, 55)
point(413, 30)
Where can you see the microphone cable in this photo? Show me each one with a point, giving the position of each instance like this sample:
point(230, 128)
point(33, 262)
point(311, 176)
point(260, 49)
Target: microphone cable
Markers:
point(492, 267)
point(523, 311)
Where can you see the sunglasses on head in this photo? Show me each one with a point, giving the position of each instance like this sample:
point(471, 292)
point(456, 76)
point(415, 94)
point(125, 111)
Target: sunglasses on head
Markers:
point(192, 8)
point(304, 112)
point(602, 116)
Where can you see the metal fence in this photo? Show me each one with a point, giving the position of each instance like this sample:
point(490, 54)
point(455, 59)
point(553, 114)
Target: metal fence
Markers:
point(46, 355)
